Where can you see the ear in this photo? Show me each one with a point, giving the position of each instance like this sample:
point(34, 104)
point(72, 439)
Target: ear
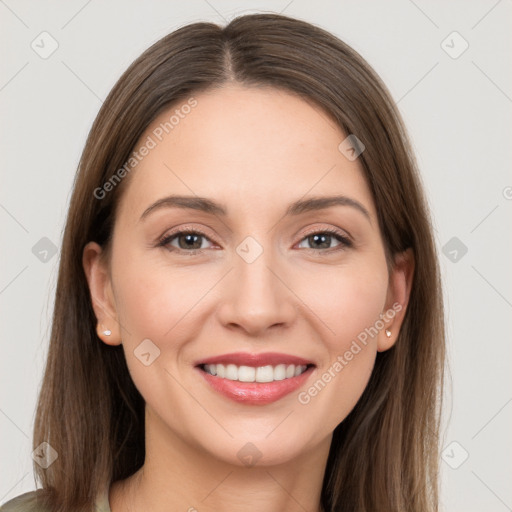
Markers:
point(102, 297)
point(399, 289)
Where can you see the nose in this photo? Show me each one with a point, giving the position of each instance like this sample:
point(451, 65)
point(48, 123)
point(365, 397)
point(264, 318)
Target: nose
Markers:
point(256, 295)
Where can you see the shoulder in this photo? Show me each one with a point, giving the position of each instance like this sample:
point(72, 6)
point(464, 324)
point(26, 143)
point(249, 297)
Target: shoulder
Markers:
point(35, 501)
point(29, 502)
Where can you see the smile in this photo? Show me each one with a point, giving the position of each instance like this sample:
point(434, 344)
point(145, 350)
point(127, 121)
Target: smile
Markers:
point(255, 379)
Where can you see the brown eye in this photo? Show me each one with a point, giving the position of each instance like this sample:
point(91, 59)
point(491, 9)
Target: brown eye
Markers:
point(189, 240)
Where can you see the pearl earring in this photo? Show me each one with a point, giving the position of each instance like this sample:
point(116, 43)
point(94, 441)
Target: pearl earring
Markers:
point(388, 333)
point(107, 332)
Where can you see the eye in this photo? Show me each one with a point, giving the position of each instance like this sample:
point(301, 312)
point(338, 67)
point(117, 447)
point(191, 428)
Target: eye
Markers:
point(325, 237)
point(189, 240)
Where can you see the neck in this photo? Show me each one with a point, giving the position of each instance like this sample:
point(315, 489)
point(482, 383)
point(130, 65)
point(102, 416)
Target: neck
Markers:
point(181, 477)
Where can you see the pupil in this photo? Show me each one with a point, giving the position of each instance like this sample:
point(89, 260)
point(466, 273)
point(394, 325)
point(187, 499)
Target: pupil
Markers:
point(189, 238)
point(324, 237)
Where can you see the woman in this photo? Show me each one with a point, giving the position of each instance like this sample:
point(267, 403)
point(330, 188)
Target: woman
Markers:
point(206, 353)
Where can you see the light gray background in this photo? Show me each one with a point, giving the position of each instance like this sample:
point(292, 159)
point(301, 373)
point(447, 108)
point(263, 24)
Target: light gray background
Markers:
point(458, 113)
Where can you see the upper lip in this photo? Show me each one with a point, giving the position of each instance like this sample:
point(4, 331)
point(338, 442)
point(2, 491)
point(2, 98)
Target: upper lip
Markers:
point(263, 359)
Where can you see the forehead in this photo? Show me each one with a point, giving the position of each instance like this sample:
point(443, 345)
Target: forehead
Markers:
point(246, 147)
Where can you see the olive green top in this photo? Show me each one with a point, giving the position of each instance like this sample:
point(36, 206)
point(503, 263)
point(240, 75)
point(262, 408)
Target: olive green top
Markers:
point(30, 502)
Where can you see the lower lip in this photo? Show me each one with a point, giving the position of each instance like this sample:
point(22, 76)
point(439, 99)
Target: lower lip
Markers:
point(256, 393)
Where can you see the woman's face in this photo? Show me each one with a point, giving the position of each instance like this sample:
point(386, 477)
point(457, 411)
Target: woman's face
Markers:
point(260, 287)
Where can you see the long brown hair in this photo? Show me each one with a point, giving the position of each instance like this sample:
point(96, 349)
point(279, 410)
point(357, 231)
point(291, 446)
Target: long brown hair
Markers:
point(384, 455)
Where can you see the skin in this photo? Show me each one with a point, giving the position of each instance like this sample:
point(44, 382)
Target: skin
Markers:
point(254, 150)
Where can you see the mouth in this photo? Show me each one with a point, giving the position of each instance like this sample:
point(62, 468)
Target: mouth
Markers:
point(255, 379)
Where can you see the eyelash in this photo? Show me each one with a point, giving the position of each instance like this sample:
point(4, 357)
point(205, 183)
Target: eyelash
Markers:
point(345, 242)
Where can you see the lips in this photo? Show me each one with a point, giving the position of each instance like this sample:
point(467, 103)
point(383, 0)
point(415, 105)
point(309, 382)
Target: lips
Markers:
point(255, 379)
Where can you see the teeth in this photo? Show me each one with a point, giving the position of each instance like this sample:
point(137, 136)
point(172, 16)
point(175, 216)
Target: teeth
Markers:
point(280, 372)
point(252, 374)
point(211, 369)
point(246, 374)
point(231, 372)
point(219, 369)
point(264, 374)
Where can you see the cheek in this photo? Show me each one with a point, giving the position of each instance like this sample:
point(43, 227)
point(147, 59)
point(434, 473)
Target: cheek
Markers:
point(349, 311)
point(153, 300)
point(347, 301)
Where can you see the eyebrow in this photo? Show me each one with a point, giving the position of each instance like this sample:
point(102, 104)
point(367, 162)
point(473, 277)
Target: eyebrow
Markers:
point(206, 205)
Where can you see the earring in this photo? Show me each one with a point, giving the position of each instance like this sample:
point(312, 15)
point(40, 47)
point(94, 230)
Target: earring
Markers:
point(388, 333)
point(107, 332)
